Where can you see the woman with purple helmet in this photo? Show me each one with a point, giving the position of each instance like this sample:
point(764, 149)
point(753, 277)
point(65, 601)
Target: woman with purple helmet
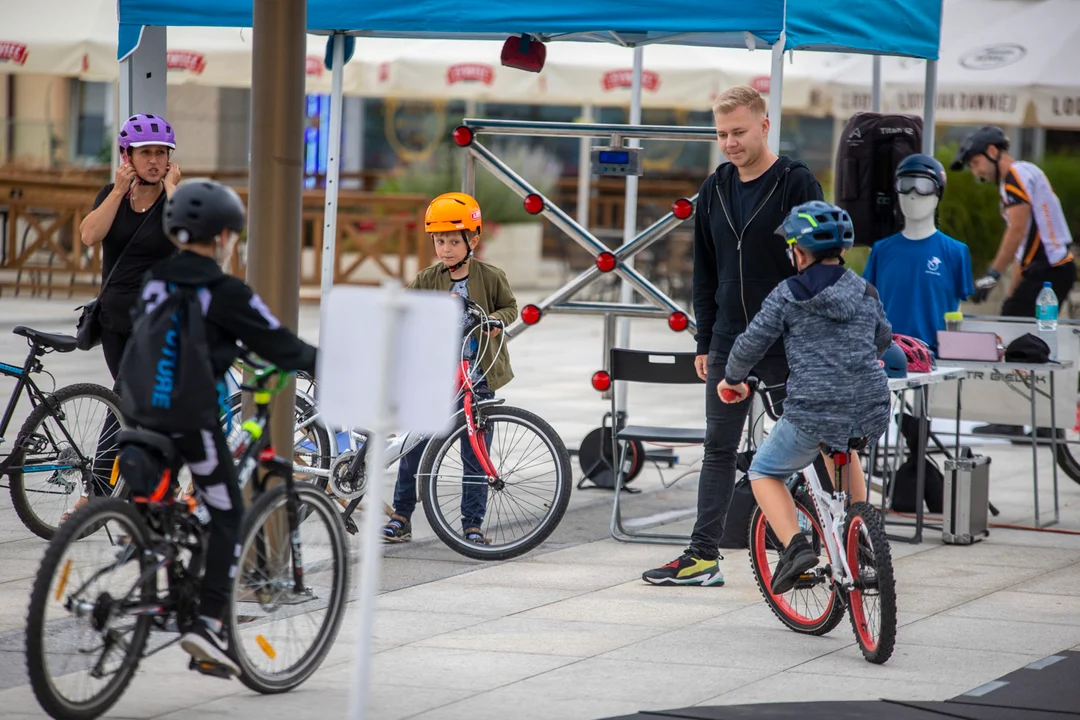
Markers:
point(127, 222)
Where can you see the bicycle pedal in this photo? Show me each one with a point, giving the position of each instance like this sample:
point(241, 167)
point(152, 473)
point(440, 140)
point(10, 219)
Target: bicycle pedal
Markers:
point(209, 668)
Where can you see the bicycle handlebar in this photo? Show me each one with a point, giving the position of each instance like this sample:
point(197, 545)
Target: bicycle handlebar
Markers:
point(730, 396)
point(266, 374)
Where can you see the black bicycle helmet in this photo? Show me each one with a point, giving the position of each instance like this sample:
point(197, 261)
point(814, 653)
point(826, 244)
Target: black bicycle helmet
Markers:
point(200, 209)
point(895, 362)
point(918, 166)
point(976, 144)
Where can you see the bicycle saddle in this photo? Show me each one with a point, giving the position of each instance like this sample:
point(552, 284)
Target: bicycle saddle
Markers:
point(56, 341)
point(854, 445)
point(147, 438)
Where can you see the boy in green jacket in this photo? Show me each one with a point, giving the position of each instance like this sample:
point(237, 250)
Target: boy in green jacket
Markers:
point(453, 221)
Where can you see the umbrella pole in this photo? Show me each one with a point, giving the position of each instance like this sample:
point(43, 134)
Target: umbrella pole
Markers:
point(626, 291)
point(776, 93)
point(875, 87)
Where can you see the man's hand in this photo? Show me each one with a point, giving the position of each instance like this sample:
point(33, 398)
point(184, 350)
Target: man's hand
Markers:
point(701, 364)
point(732, 393)
point(985, 284)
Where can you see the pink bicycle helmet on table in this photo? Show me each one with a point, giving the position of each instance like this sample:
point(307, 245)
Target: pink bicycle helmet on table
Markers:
point(919, 357)
point(142, 129)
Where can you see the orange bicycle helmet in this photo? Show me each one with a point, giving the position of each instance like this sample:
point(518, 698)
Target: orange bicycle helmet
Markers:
point(453, 211)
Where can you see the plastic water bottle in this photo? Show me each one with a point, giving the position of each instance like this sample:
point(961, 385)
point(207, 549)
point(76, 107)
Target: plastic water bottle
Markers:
point(1046, 317)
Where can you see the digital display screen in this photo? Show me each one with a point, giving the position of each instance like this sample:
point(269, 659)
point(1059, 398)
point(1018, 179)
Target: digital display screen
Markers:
point(615, 157)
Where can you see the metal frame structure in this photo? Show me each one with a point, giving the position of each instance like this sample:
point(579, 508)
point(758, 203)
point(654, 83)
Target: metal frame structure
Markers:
point(617, 260)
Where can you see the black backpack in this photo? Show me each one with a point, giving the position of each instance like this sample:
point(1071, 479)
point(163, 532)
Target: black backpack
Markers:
point(166, 380)
point(871, 147)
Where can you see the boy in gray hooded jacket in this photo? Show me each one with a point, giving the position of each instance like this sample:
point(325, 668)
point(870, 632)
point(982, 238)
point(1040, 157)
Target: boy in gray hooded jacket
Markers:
point(834, 332)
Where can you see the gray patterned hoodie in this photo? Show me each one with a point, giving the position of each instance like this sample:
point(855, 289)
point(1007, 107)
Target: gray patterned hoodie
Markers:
point(834, 331)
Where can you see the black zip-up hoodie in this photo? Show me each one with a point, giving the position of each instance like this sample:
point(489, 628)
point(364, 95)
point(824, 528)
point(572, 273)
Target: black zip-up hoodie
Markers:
point(232, 312)
point(735, 269)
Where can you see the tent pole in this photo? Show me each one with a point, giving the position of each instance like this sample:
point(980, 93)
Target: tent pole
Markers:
point(929, 103)
point(142, 76)
point(875, 87)
point(626, 292)
point(776, 92)
point(333, 165)
point(584, 177)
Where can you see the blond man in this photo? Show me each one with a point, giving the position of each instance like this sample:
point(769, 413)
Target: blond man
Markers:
point(738, 260)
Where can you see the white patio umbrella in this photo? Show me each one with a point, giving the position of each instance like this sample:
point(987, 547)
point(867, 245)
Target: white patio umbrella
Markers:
point(59, 37)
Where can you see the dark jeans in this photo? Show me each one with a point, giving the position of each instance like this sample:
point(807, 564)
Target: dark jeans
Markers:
point(474, 491)
point(723, 428)
point(1022, 302)
point(113, 344)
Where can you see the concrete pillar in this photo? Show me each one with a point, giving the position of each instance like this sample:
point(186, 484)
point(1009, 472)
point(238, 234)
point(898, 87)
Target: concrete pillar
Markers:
point(277, 145)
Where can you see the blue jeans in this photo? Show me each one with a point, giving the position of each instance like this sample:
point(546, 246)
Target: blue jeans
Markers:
point(474, 490)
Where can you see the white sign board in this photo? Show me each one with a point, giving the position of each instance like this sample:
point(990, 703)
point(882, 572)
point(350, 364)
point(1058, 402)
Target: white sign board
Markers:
point(421, 365)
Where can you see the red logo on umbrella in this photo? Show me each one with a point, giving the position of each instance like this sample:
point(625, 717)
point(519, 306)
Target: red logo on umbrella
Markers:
point(13, 52)
point(384, 72)
point(314, 65)
point(618, 79)
point(470, 72)
point(185, 60)
point(761, 84)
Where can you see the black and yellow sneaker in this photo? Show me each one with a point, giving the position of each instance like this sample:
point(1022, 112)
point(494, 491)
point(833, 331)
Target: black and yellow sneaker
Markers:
point(688, 569)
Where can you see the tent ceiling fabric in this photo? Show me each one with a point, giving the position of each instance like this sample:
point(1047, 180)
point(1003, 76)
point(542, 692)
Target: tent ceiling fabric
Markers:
point(912, 27)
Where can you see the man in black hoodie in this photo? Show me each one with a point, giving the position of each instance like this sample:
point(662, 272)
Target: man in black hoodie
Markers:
point(738, 260)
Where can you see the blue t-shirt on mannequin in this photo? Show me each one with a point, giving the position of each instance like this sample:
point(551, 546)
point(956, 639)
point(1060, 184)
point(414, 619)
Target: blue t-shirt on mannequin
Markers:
point(920, 273)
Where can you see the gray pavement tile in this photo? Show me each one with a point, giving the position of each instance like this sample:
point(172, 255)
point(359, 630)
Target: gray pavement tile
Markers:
point(526, 573)
point(653, 685)
point(1030, 607)
point(930, 570)
point(1065, 581)
point(403, 627)
point(921, 664)
point(931, 599)
point(1027, 538)
point(659, 607)
point(483, 601)
point(543, 635)
point(797, 686)
point(732, 646)
point(953, 631)
point(510, 703)
point(454, 668)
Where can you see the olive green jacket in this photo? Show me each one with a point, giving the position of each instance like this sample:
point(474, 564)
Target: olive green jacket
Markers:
point(488, 288)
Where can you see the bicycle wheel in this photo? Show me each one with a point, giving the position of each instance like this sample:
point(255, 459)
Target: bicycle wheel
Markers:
point(521, 508)
point(268, 615)
point(873, 601)
point(95, 628)
point(65, 447)
point(813, 606)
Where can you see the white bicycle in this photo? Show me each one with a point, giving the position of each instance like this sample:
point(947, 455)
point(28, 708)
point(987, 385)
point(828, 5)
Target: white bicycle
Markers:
point(855, 573)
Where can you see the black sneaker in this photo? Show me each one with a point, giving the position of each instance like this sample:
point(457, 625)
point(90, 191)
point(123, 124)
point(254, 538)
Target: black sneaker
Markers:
point(797, 558)
point(687, 569)
point(205, 645)
point(398, 530)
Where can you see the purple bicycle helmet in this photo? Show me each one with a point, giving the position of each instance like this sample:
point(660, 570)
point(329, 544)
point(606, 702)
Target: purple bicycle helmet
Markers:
point(143, 129)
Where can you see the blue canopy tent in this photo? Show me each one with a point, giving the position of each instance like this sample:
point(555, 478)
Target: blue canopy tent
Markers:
point(884, 27)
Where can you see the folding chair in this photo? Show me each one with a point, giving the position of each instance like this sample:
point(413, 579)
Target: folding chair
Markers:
point(641, 366)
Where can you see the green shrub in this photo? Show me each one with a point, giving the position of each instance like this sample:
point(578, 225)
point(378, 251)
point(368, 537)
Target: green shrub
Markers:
point(1063, 171)
point(971, 213)
point(499, 204)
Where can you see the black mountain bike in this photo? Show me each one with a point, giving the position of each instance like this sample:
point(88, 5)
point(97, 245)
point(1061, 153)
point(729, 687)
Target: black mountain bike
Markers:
point(90, 621)
point(66, 444)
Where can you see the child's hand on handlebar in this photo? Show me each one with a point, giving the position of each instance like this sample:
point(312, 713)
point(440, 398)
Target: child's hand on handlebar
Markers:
point(732, 393)
point(493, 329)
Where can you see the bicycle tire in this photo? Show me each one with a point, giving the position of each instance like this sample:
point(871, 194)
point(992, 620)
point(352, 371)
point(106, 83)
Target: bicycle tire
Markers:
point(19, 498)
point(263, 507)
point(834, 611)
point(863, 515)
point(438, 448)
point(94, 514)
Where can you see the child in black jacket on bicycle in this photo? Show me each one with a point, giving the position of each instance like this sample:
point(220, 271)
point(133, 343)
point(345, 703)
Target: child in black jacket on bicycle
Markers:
point(204, 219)
point(834, 332)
